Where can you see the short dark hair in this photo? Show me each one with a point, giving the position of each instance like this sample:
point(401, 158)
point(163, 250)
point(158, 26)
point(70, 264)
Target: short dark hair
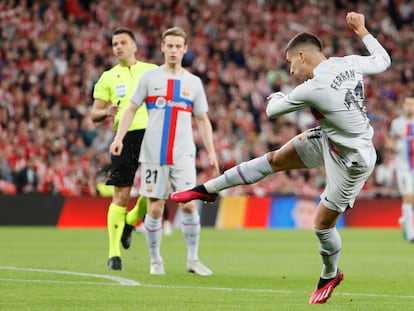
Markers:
point(304, 38)
point(127, 31)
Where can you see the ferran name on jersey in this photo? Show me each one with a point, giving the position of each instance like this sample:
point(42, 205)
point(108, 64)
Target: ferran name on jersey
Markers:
point(121, 89)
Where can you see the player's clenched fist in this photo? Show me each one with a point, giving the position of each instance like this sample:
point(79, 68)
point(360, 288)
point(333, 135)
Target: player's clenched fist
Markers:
point(276, 95)
point(356, 22)
point(115, 148)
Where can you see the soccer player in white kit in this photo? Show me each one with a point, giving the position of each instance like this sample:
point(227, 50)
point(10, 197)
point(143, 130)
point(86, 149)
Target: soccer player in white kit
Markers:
point(333, 89)
point(402, 138)
point(172, 96)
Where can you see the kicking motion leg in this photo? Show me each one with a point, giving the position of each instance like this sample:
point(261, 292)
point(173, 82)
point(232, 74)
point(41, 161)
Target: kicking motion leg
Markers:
point(245, 173)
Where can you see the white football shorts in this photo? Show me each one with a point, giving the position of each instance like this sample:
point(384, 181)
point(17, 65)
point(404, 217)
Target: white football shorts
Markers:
point(157, 180)
point(345, 174)
point(405, 182)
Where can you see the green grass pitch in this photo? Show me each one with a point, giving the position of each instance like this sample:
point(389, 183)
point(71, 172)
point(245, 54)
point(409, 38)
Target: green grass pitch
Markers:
point(46, 268)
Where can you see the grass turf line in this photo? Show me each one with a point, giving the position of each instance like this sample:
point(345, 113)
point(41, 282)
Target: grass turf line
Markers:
point(253, 270)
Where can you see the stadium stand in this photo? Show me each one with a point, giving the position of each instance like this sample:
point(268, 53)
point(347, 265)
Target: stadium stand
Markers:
point(52, 52)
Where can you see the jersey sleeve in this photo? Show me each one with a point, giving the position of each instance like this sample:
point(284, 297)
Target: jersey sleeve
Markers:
point(377, 62)
point(282, 104)
point(392, 131)
point(200, 99)
point(139, 95)
point(102, 88)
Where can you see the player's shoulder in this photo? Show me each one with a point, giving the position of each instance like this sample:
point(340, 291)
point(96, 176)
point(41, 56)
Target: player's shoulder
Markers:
point(334, 67)
point(112, 71)
point(108, 74)
point(399, 119)
point(332, 64)
point(145, 65)
point(191, 76)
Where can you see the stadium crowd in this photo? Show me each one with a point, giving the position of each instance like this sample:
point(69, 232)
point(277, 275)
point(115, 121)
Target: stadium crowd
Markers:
point(52, 53)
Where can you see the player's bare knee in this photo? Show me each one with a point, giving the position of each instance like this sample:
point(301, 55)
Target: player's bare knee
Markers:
point(275, 160)
point(156, 208)
point(188, 207)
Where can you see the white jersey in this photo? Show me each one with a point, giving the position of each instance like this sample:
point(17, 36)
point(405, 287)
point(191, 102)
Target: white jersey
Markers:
point(171, 101)
point(402, 129)
point(336, 97)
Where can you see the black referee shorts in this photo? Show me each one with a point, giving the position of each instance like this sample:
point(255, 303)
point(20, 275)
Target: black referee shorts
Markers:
point(124, 166)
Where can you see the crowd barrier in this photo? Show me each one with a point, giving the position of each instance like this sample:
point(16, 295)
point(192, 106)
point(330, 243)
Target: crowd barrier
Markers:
point(228, 212)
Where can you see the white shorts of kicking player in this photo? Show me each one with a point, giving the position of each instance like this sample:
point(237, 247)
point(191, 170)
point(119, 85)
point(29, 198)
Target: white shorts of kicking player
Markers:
point(405, 181)
point(345, 173)
point(158, 180)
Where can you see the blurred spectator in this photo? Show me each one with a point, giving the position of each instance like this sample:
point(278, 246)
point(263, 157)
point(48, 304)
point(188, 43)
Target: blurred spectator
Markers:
point(385, 175)
point(26, 178)
point(304, 211)
point(52, 53)
point(5, 169)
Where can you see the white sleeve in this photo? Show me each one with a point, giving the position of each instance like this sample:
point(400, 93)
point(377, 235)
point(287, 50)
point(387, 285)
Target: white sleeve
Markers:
point(378, 61)
point(200, 100)
point(392, 132)
point(140, 92)
point(282, 104)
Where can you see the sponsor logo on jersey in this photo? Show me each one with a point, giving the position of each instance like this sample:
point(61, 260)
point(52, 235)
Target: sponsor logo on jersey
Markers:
point(160, 102)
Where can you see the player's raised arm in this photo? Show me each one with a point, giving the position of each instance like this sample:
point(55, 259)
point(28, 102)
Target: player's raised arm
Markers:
point(356, 22)
point(379, 60)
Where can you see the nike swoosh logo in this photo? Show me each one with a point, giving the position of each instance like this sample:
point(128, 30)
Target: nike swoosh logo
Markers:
point(326, 199)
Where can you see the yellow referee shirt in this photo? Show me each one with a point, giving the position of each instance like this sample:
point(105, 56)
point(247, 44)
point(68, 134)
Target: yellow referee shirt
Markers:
point(116, 86)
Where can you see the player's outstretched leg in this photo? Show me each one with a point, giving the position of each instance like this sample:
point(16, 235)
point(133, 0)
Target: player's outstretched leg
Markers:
point(245, 173)
point(325, 288)
point(198, 192)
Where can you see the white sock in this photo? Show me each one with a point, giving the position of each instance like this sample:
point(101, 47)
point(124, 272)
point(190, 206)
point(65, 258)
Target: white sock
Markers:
point(190, 226)
point(245, 173)
point(153, 234)
point(330, 247)
point(407, 213)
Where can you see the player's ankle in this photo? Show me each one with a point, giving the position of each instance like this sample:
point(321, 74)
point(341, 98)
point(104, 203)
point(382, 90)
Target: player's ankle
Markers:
point(200, 189)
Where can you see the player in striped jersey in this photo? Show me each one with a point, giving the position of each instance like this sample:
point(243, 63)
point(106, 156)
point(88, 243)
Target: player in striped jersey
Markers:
point(402, 139)
point(173, 96)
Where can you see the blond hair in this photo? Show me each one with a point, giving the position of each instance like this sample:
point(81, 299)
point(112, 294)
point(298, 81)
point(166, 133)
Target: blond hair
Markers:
point(175, 31)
